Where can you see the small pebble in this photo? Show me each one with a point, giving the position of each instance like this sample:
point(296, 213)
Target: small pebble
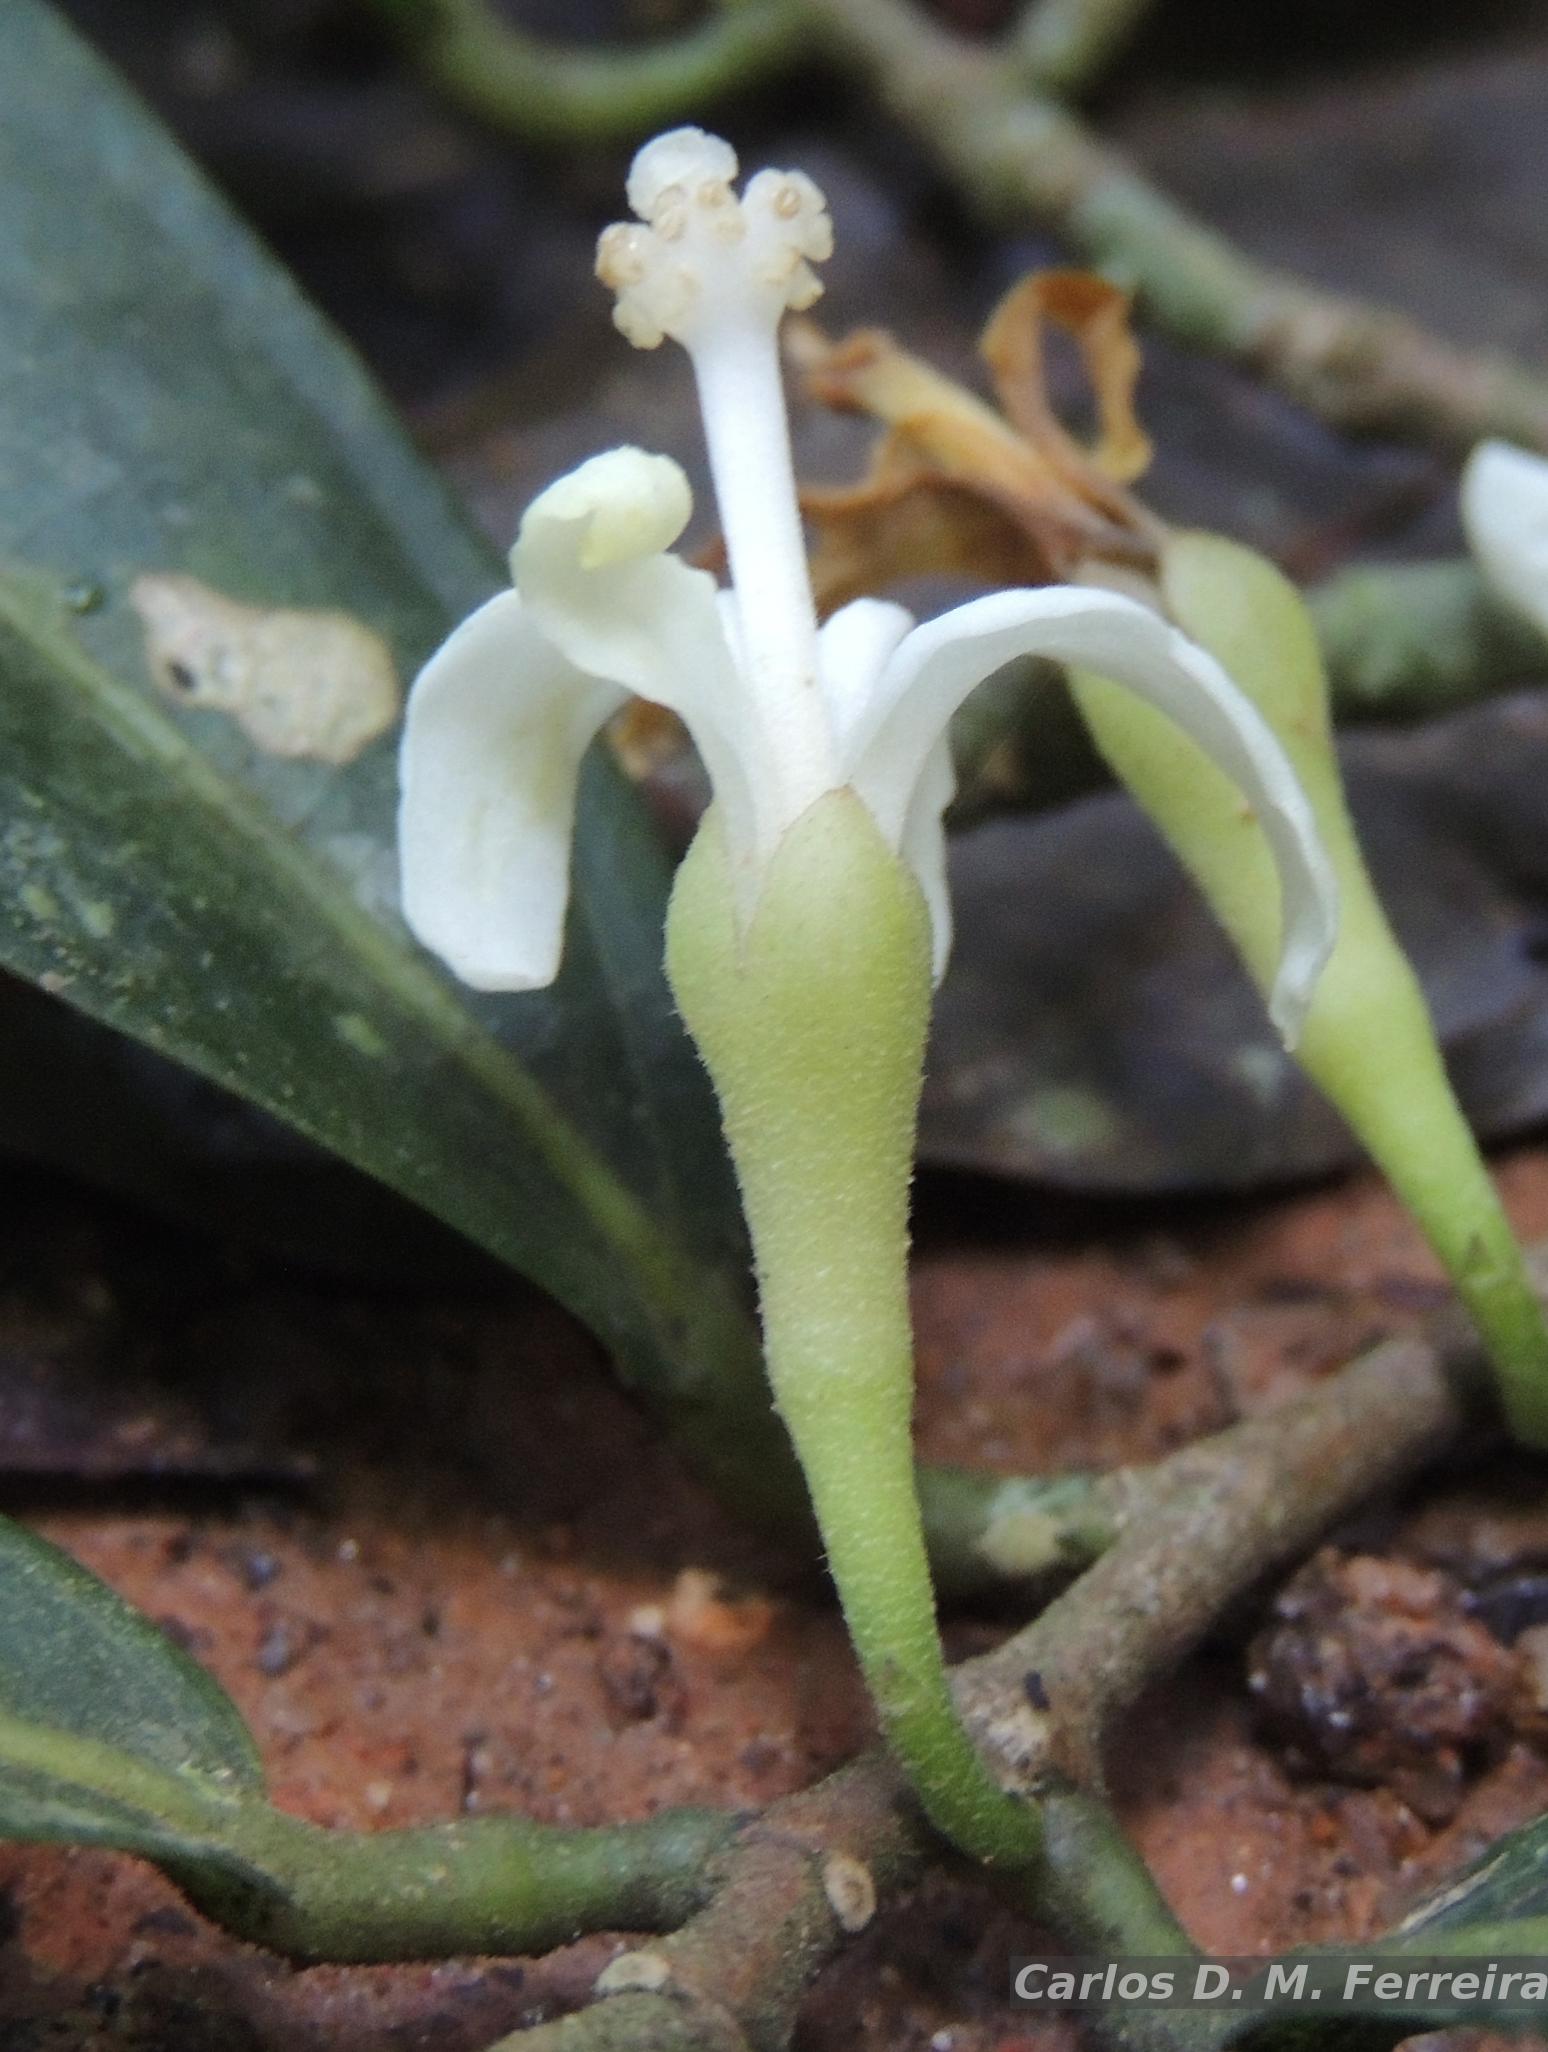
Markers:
point(278, 1651)
point(258, 1569)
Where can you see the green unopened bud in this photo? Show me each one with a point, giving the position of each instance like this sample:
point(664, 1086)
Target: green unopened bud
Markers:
point(1368, 1041)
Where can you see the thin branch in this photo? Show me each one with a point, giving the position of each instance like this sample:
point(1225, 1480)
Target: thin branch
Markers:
point(500, 74)
point(1014, 153)
point(805, 1876)
point(1219, 1516)
point(1064, 46)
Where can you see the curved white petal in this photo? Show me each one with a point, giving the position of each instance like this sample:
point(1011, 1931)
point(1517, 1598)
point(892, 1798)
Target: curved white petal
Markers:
point(592, 566)
point(853, 651)
point(853, 648)
point(923, 847)
point(937, 666)
point(493, 734)
point(1505, 512)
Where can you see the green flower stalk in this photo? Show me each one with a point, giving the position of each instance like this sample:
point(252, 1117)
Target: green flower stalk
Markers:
point(812, 1024)
point(811, 913)
point(1367, 1040)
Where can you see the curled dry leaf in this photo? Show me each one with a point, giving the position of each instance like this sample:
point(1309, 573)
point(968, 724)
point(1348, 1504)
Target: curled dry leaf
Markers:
point(1096, 314)
point(321, 685)
point(1009, 497)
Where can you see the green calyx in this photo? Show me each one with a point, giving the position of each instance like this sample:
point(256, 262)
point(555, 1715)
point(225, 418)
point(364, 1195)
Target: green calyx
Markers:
point(811, 1019)
point(1368, 1041)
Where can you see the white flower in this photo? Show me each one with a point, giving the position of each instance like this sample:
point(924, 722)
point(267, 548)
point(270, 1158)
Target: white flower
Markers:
point(1505, 514)
point(781, 710)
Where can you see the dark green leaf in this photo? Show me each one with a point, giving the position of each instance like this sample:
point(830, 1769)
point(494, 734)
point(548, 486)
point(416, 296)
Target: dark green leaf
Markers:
point(1505, 1892)
point(110, 1736)
point(168, 403)
point(77, 1660)
point(1495, 1911)
point(55, 1790)
point(138, 881)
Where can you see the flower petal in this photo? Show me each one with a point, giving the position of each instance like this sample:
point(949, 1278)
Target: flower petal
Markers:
point(496, 725)
point(591, 564)
point(1505, 513)
point(940, 663)
point(853, 649)
point(923, 847)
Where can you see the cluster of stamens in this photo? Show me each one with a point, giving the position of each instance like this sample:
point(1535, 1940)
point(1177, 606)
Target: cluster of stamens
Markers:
point(698, 255)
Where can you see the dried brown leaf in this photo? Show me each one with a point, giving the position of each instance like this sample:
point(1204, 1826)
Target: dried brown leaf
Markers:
point(955, 487)
point(1095, 314)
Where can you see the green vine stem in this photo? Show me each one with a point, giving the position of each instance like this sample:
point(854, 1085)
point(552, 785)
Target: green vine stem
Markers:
point(811, 1021)
point(484, 63)
point(987, 1532)
point(1016, 155)
point(1066, 45)
point(1368, 1042)
point(768, 1900)
point(482, 1884)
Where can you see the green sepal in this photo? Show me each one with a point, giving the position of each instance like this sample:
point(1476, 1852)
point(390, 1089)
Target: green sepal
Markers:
point(1367, 1041)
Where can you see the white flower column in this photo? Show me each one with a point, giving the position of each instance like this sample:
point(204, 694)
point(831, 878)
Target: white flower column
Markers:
point(811, 914)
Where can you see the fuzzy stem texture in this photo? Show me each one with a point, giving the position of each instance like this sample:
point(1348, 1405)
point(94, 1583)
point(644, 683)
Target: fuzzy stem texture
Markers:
point(481, 1884)
point(1368, 1041)
point(811, 1022)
